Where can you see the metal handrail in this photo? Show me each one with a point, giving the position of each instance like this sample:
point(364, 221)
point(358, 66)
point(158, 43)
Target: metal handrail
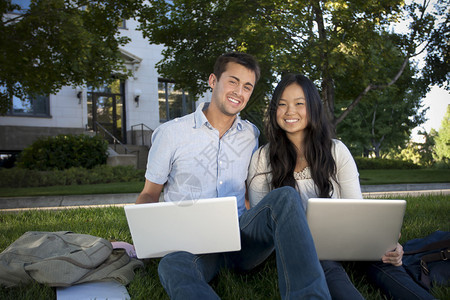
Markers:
point(115, 140)
point(142, 125)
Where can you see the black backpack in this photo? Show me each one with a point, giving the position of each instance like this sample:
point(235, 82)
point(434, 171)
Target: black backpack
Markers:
point(427, 259)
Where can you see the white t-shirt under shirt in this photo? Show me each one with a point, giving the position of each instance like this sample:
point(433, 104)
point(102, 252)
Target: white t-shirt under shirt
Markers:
point(347, 175)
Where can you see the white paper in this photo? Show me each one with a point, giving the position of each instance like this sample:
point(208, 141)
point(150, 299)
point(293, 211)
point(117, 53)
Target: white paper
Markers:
point(110, 290)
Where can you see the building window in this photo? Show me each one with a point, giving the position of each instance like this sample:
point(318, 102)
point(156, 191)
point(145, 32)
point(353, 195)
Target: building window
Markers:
point(173, 103)
point(34, 106)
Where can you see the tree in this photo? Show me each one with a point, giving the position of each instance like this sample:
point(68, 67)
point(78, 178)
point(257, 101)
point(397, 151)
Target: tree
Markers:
point(437, 67)
point(385, 118)
point(340, 44)
point(195, 33)
point(55, 43)
point(418, 153)
point(442, 150)
point(383, 121)
point(426, 149)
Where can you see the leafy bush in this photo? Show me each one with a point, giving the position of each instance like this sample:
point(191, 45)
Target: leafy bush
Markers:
point(19, 177)
point(442, 164)
point(365, 163)
point(64, 152)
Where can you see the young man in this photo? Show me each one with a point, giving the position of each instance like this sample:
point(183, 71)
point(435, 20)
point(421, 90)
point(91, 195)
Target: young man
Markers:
point(206, 154)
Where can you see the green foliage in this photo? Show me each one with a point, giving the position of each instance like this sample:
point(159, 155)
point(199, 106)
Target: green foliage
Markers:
point(365, 163)
point(20, 177)
point(434, 152)
point(57, 43)
point(345, 46)
point(194, 31)
point(419, 153)
point(64, 152)
point(384, 119)
point(437, 67)
point(413, 153)
point(442, 150)
point(442, 165)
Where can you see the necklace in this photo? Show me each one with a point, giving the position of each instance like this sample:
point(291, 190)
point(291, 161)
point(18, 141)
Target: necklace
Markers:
point(303, 174)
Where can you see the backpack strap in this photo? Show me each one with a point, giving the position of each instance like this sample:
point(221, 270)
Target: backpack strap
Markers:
point(432, 246)
point(444, 254)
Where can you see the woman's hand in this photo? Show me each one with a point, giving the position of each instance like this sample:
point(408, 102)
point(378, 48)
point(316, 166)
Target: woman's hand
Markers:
point(394, 257)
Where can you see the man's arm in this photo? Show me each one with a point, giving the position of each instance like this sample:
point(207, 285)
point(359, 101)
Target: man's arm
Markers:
point(150, 193)
point(247, 201)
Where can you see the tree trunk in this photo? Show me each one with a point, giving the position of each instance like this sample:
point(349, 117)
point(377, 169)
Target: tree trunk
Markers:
point(327, 80)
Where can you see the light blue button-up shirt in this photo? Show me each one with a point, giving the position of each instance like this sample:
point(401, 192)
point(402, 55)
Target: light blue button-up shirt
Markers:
point(192, 162)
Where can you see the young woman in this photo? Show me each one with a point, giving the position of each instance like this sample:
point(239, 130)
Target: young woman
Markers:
point(301, 153)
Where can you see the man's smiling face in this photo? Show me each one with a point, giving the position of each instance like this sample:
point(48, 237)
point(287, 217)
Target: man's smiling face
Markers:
point(234, 88)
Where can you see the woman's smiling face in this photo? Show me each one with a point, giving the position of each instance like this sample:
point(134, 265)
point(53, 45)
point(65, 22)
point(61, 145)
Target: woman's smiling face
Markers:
point(292, 114)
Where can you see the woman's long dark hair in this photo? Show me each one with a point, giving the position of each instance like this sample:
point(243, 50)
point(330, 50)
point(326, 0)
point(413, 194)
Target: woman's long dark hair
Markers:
point(317, 140)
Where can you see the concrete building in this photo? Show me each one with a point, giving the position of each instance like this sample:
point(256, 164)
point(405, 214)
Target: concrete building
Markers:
point(125, 113)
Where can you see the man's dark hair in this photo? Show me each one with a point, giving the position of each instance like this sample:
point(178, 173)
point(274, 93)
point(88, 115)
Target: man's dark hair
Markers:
point(243, 59)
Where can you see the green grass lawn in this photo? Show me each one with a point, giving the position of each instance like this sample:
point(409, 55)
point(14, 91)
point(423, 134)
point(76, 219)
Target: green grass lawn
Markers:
point(88, 189)
point(367, 177)
point(424, 215)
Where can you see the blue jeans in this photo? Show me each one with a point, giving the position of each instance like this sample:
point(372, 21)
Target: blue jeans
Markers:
point(395, 282)
point(339, 284)
point(277, 222)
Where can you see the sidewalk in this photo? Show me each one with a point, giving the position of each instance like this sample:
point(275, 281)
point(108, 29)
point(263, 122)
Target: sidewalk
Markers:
point(408, 189)
point(72, 201)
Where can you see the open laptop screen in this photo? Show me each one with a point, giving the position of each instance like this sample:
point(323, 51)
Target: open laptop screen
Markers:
point(354, 229)
point(196, 226)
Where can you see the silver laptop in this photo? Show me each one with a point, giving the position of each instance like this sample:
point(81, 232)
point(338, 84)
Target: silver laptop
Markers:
point(196, 226)
point(354, 229)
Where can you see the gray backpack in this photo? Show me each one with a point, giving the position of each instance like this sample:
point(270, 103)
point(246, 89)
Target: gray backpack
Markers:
point(64, 258)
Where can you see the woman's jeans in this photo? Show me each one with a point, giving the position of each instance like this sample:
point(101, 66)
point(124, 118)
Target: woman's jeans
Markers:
point(277, 222)
point(339, 284)
point(393, 281)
